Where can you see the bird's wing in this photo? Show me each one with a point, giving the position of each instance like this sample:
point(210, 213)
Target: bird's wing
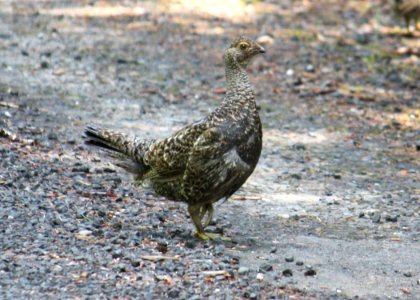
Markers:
point(214, 164)
point(167, 158)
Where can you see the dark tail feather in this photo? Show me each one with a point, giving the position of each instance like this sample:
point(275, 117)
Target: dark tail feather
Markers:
point(93, 137)
point(115, 145)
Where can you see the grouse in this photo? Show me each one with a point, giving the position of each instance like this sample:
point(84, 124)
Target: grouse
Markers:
point(409, 10)
point(206, 161)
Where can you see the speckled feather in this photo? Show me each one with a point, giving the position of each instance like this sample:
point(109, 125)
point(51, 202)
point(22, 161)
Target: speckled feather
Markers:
point(207, 160)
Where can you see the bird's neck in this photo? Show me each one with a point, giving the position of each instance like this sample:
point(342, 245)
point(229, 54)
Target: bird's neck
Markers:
point(238, 86)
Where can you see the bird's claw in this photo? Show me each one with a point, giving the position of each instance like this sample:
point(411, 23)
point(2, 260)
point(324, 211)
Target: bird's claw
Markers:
point(211, 236)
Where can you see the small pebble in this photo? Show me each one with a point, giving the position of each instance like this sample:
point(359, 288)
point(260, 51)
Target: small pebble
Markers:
point(44, 65)
point(190, 244)
point(289, 259)
point(84, 232)
point(290, 72)
point(117, 253)
point(174, 293)
point(135, 263)
point(310, 68)
point(376, 217)
point(299, 146)
point(122, 268)
point(52, 136)
point(162, 247)
point(310, 272)
point(299, 263)
point(265, 39)
point(266, 267)
point(391, 218)
point(287, 273)
point(243, 270)
point(81, 169)
point(298, 81)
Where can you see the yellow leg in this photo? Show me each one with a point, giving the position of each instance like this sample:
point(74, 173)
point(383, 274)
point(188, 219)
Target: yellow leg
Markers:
point(209, 210)
point(196, 213)
point(407, 24)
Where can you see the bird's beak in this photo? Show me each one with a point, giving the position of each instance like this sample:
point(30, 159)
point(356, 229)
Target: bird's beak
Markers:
point(262, 50)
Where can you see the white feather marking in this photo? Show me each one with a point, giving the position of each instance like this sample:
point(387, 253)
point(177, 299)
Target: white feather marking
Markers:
point(232, 159)
point(251, 139)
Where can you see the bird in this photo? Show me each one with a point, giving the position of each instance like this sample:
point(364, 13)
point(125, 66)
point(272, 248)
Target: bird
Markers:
point(207, 160)
point(409, 10)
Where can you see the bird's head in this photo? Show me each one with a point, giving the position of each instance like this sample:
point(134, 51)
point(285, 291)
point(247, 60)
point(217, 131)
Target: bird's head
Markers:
point(243, 50)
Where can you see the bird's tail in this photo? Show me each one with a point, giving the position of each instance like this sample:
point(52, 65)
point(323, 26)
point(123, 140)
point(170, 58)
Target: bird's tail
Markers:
point(126, 151)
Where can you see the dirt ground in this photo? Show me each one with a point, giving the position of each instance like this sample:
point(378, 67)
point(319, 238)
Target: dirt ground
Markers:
point(331, 212)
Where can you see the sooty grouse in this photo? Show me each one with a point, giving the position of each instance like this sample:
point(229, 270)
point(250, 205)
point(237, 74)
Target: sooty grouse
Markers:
point(206, 161)
point(409, 10)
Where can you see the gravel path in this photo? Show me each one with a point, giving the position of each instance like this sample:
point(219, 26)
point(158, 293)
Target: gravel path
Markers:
point(331, 212)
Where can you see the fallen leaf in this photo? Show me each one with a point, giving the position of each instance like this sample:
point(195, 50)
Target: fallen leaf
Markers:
point(53, 255)
point(159, 257)
point(209, 279)
point(84, 237)
point(215, 273)
point(59, 71)
point(83, 182)
point(8, 104)
point(148, 91)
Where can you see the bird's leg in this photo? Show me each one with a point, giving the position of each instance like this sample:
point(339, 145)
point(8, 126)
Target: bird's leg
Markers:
point(209, 210)
point(407, 25)
point(203, 211)
point(196, 211)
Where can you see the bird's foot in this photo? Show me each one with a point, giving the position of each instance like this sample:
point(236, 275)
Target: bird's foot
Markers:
point(211, 236)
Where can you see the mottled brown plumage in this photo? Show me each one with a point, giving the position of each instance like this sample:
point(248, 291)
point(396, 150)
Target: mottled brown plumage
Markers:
point(206, 161)
point(408, 10)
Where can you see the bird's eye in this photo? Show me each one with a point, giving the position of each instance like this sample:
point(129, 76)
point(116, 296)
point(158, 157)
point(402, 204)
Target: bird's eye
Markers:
point(243, 45)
